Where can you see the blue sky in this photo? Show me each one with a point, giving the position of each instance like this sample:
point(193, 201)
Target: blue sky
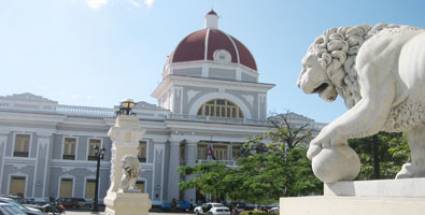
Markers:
point(98, 52)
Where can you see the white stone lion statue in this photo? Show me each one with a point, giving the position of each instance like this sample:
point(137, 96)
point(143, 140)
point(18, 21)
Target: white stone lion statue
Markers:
point(130, 167)
point(379, 71)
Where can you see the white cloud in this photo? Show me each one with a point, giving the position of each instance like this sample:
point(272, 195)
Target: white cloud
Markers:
point(149, 3)
point(95, 4)
point(135, 3)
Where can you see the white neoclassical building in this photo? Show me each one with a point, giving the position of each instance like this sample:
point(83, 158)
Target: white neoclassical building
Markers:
point(209, 97)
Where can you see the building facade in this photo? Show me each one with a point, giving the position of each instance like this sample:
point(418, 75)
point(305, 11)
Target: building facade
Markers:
point(209, 101)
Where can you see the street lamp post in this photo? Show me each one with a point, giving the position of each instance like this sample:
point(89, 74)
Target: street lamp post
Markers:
point(99, 155)
point(126, 106)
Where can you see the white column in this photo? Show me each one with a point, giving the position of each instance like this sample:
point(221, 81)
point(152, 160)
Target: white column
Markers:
point(3, 142)
point(40, 187)
point(192, 156)
point(158, 172)
point(173, 174)
point(229, 151)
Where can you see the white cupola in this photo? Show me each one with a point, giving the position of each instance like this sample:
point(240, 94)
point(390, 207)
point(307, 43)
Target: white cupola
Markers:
point(211, 20)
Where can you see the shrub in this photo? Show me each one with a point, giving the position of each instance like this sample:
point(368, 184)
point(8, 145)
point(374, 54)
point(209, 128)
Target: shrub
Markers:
point(255, 212)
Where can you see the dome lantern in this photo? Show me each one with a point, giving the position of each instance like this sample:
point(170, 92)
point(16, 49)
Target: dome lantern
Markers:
point(211, 20)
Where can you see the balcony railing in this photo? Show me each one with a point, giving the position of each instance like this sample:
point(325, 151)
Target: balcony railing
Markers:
point(20, 154)
point(68, 157)
point(225, 162)
point(225, 120)
point(85, 111)
point(92, 157)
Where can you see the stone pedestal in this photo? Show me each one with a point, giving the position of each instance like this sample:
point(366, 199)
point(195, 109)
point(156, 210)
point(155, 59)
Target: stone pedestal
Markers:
point(386, 197)
point(125, 134)
point(127, 204)
point(401, 188)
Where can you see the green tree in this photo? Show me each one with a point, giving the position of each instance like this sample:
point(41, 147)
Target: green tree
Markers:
point(264, 172)
point(391, 152)
point(208, 178)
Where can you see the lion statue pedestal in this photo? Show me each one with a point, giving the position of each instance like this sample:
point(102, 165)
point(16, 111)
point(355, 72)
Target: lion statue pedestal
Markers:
point(379, 71)
point(123, 198)
point(128, 204)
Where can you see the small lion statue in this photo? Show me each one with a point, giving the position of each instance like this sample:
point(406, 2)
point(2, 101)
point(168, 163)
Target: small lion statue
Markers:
point(130, 167)
point(379, 71)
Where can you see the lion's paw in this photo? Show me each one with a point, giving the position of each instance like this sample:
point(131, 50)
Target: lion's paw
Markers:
point(410, 170)
point(313, 150)
point(317, 144)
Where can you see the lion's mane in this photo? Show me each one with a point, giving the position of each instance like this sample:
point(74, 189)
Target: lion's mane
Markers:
point(130, 165)
point(337, 49)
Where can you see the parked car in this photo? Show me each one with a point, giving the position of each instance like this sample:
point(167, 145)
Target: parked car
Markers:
point(50, 208)
point(26, 209)
point(10, 209)
point(184, 205)
point(236, 204)
point(72, 202)
point(212, 209)
point(274, 210)
point(165, 206)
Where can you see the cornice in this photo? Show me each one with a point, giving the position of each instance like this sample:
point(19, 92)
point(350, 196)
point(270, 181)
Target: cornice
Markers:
point(172, 80)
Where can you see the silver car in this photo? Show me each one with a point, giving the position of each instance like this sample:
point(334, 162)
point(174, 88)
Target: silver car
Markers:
point(27, 209)
point(212, 209)
point(10, 209)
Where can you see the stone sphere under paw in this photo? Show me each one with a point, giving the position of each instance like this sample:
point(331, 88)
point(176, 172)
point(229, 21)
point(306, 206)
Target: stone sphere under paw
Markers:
point(338, 163)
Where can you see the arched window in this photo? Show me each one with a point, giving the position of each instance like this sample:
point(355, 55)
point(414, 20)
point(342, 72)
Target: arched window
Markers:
point(220, 108)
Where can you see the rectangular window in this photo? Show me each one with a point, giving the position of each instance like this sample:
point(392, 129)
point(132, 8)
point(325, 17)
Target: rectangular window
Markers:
point(17, 186)
point(141, 186)
point(141, 154)
point(236, 151)
point(65, 189)
point(94, 145)
point(202, 152)
point(220, 152)
point(69, 145)
point(90, 188)
point(22, 145)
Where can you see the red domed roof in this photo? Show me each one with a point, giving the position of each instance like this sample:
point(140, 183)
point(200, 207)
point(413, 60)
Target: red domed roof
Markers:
point(192, 48)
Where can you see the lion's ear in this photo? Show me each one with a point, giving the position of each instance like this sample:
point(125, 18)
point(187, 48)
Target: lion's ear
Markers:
point(341, 56)
point(325, 59)
point(337, 45)
point(320, 42)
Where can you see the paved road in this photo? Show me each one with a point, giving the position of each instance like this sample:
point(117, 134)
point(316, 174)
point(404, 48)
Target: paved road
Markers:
point(89, 213)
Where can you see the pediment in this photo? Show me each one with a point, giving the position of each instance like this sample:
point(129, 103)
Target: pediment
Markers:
point(28, 97)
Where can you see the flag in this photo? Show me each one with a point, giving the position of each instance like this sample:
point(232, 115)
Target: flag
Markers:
point(210, 152)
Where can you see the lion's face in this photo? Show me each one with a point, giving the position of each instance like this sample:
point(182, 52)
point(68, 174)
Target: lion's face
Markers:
point(313, 79)
point(130, 162)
